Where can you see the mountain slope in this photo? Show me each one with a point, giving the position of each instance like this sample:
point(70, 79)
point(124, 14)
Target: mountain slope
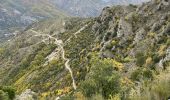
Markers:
point(17, 14)
point(122, 54)
point(29, 44)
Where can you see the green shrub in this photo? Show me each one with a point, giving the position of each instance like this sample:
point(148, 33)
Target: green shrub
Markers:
point(147, 74)
point(111, 86)
point(156, 58)
point(168, 42)
point(140, 59)
point(114, 34)
point(3, 95)
point(102, 79)
point(9, 91)
point(142, 74)
point(89, 87)
point(136, 75)
point(135, 17)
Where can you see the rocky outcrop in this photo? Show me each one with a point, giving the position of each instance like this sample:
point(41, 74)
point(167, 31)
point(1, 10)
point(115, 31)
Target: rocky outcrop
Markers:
point(27, 95)
point(124, 28)
point(140, 35)
point(161, 65)
point(137, 28)
point(163, 4)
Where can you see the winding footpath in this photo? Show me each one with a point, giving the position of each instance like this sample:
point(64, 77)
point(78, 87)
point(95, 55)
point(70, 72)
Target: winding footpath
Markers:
point(61, 48)
point(68, 67)
point(80, 30)
point(60, 44)
point(75, 34)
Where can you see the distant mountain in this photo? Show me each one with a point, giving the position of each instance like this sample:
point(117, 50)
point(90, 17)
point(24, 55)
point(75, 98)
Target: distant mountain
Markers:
point(86, 8)
point(21, 13)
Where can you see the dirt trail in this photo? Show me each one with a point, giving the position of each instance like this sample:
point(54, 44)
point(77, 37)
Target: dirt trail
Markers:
point(61, 49)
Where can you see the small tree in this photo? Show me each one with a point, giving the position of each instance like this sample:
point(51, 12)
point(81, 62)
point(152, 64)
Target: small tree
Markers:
point(140, 59)
point(102, 79)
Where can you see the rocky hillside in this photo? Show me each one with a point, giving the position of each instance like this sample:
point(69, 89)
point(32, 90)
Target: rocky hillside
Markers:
point(122, 54)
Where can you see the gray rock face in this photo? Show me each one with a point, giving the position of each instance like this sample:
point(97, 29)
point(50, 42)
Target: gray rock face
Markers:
point(106, 54)
point(167, 58)
point(124, 28)
point(133, 26)
point(166, 2)
point(27, 95)
point(160, 65)
point(106, 14)
point(105, 51)
point(139, 35)
point(163, 4)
